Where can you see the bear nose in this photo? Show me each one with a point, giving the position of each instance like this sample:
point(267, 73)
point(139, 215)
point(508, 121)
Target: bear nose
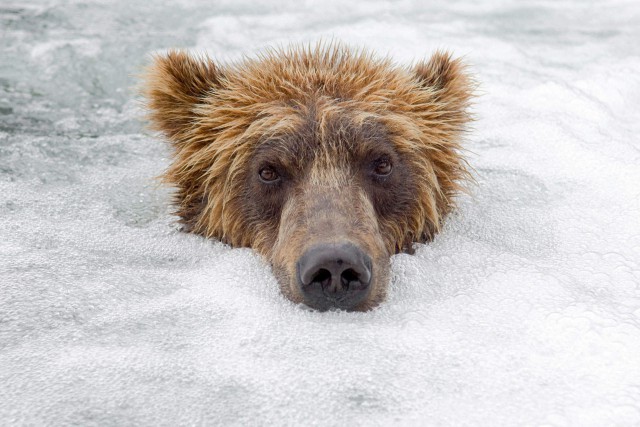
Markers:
point(334, 275)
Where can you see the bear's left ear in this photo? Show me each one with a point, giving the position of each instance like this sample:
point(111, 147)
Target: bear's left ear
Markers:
point(449, 83)
point(173, 85)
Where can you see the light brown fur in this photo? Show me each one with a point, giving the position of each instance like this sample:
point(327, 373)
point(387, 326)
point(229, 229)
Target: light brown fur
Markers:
point(333, 103)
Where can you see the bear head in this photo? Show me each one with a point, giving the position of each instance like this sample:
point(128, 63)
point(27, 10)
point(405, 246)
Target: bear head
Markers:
point(324, 160)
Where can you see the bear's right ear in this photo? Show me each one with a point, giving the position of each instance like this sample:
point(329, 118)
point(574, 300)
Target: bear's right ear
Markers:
point(173, 86)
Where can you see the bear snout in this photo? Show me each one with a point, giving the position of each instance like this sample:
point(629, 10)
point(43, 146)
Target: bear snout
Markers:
point(334, 275)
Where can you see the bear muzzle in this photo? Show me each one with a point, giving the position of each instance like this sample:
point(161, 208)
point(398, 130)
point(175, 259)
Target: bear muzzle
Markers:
point(334, 275)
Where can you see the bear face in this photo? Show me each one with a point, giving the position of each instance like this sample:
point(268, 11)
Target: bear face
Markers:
point(326, 161)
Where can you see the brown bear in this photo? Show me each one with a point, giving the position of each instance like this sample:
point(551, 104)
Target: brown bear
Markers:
point(326, 160)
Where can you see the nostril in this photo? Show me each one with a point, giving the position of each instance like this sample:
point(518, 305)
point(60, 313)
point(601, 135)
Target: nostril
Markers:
point(323, 277)
point(348, 276)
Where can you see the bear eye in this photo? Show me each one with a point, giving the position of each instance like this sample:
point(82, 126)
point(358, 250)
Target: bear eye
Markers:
point(382, 167)
point(268, 174)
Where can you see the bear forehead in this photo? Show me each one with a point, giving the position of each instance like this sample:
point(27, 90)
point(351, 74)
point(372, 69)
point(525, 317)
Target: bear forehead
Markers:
point(336, 136)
